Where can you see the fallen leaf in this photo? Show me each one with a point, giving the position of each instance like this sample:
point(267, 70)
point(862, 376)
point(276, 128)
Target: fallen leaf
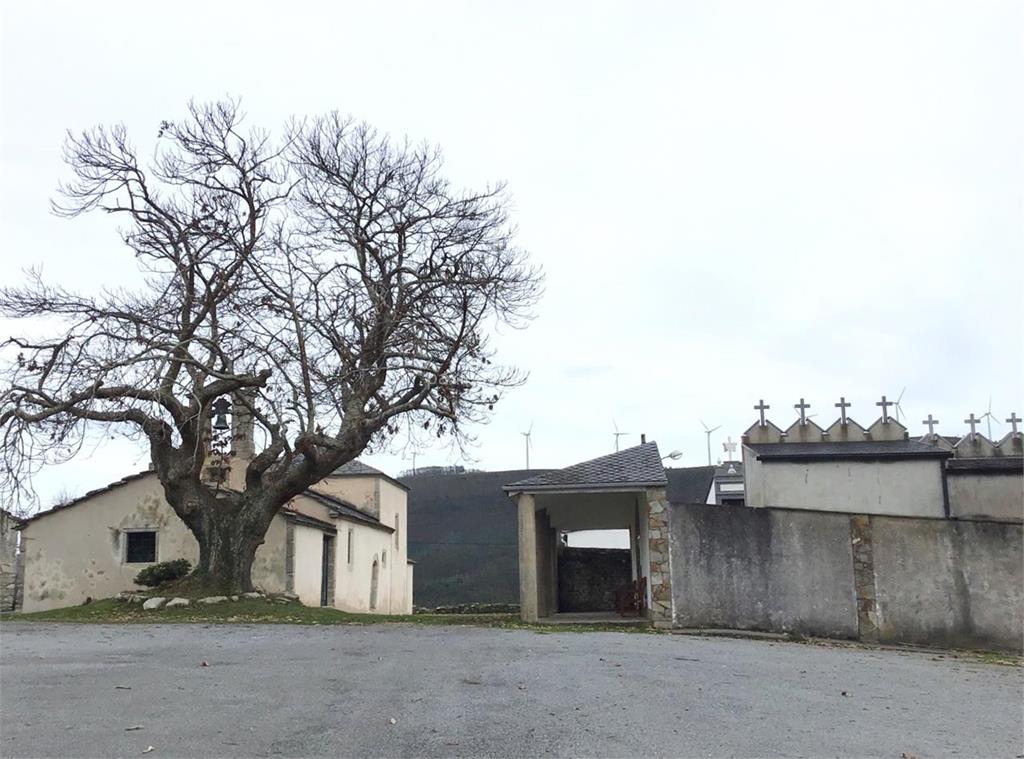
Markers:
point(205, 664)
point(846, 693)
point(122, 687)
point(392, 721)
point(148, 749)
point(133, 727)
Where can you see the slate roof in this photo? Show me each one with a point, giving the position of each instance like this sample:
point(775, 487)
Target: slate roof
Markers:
point(632, 468)
point(866, 450)
point(345, 510)
point(690, 484)
point(357, 468)
point(298, 516)
point(1007, 464)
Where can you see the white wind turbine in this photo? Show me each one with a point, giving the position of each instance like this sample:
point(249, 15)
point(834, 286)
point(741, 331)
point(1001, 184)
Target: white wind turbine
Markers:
point(708, 433)
point(617, 434)
point(900, 416)
point(987, 416)
point(529, 444)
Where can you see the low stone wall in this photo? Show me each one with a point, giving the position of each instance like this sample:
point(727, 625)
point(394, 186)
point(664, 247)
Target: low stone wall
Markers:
point(588, 578)
point(892, 579)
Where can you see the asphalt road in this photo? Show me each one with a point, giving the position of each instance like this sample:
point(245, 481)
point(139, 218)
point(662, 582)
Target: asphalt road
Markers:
point(78, 690)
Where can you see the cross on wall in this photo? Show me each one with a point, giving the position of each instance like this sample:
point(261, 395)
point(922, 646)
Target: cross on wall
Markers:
point(802, 408)
point(885, 409)
point(931, 424)
point(762, 407)
point(842, 406)
point(972, 421)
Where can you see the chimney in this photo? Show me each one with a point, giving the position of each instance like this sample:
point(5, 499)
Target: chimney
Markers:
point(643, 438)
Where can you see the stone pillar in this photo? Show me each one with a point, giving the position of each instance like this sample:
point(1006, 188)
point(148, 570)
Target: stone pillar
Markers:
point(660, 577)
point(864, 577)
point(527, 558)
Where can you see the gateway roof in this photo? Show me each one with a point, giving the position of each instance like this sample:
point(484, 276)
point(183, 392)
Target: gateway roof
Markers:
point(634, 468)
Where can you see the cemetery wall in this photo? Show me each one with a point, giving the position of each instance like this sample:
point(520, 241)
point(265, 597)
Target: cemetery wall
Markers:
point(915, 580)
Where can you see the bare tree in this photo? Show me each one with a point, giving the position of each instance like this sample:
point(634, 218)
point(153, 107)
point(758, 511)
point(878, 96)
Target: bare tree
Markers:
point(333, 285)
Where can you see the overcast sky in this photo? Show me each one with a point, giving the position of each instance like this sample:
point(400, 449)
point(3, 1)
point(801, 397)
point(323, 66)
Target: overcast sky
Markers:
point(731, 200)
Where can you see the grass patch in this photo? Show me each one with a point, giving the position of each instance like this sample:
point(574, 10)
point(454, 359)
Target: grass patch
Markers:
point(261, 611)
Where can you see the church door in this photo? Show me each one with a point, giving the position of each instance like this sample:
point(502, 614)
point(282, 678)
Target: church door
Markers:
point(326, 570)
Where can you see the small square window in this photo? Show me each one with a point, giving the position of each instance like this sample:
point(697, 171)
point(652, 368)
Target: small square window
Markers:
point(140, 547)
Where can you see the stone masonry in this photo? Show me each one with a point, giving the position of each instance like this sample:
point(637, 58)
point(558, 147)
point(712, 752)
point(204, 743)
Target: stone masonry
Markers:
point(8, 561)
point(660, 567)
point(864, 576)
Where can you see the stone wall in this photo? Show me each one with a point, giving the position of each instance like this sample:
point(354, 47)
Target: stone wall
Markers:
point(588, 578)
point(9, 563)
point(893, 579)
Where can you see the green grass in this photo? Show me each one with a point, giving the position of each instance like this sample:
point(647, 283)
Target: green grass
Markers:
point(260, 611)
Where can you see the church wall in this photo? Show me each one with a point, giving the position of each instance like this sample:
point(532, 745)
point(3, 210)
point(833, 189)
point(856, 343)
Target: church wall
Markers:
point(394, 514)
point(362, 492)
point(308, 577)
point(268, 568)
point(353, 579)
point(986, 495)
point(898, 488)
point(78, 552)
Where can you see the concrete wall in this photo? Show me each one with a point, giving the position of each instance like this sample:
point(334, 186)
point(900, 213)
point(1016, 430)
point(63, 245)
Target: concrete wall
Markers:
point(986, 495)
point(949, 583)
point(899, 487)
point(589, 578)
point(926, 581)
point(762, 569)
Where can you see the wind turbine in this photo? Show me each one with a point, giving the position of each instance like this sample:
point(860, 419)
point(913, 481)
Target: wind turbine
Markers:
point(987, 416)
point(899, 409)
point(617, 434)
point(708, 433)
point(528, 444)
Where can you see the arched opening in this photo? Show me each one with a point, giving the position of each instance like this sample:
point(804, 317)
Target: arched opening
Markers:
point(374, 577)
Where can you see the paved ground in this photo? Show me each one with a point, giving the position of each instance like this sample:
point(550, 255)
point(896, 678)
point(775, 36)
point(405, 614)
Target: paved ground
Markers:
point(332, 691)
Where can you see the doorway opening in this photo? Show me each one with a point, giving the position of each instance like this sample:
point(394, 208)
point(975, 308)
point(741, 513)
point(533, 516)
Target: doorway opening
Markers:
point(327, 572)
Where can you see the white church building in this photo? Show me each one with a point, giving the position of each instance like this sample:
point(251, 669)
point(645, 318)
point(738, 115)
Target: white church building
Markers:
point(342, 544)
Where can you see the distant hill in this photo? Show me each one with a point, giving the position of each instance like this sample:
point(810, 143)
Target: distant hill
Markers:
point(463, 534)
point(463, 537)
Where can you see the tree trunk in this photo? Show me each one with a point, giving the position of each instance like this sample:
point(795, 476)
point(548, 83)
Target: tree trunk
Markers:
point(228, 539)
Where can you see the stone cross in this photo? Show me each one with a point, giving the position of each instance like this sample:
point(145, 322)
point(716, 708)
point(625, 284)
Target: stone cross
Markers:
point(728, 446)
point(842, 406)
point(802, 407)
point(885, 409)
point(762, 407)
point(1013, 421)
point(931, 424)
point(971, 421)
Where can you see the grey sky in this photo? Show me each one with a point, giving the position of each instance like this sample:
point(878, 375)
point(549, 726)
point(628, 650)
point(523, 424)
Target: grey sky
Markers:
point(731, 200)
